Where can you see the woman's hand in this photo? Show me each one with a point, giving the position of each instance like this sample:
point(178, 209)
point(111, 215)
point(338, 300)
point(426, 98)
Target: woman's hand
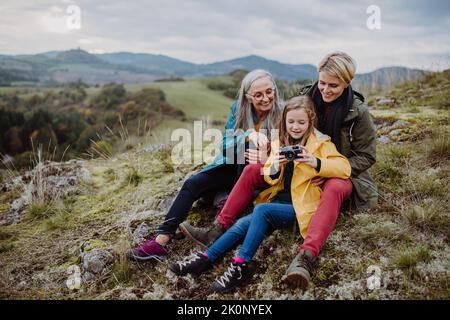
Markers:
point(318, 181)
point(259, 139)
point(256, 156)
point(307, 158)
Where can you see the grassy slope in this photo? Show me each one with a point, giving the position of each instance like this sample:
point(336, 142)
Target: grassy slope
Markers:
point(406, 236)
point(193, 97)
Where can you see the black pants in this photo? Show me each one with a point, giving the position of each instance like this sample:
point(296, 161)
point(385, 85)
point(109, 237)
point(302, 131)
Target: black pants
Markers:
point(197, 186)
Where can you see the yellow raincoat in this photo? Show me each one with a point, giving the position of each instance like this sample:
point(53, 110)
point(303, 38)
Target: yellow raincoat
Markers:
point(305, 195)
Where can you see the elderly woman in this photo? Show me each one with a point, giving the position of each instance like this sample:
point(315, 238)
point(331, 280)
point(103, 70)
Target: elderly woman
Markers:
point(344, 117)
point(257, 108)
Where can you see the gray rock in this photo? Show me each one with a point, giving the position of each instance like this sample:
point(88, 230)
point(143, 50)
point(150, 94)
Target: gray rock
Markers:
point(395, 132)
point(384, 139)
point(97, 260)
point(88, 277)
point(47, 181)
point(384, 101)
point(141, 233)
point(399, 124)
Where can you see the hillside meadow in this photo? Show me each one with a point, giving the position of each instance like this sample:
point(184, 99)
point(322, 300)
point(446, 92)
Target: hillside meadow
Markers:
point(117, 200)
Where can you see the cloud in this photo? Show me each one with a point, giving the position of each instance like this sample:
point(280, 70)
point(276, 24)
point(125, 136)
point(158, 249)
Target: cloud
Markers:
point(413, 33)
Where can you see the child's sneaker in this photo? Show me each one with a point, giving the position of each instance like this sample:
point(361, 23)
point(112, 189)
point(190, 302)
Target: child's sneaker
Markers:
point(147, 251)
point(236, 275)
point(194, 264)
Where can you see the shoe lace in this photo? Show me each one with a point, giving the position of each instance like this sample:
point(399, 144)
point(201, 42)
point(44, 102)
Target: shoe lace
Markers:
point(188, 261)
point(228, 275)
point(305, 262)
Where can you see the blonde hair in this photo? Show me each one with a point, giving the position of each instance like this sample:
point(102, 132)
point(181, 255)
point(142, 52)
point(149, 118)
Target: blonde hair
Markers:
point(338, 64)
point(299, 102)
point(244, 119)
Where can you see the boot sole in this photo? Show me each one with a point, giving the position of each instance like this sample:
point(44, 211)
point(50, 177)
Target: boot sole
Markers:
point(297, 280)
point(187, 234)
point(147, 258)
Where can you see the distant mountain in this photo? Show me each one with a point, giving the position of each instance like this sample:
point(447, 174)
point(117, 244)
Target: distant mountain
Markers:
point(279, 70)
point(159, 64)
point(78, 57)
point(386, 77)
point(125, 67)
point(165, 65)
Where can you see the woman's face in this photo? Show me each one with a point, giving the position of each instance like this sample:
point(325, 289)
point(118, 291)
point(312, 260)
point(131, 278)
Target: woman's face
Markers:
point(330, 87)
point(262, 95)
point(297, 123)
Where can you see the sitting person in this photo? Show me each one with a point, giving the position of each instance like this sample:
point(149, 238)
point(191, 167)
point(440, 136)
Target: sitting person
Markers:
point(291, 196)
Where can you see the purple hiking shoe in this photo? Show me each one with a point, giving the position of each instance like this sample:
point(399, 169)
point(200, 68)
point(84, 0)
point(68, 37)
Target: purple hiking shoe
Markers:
point(147, 251)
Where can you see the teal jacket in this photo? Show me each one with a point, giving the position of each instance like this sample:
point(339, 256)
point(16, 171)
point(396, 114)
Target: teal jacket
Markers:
point(230, 142)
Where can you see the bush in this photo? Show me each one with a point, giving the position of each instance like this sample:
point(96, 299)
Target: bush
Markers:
point(231, 93)
point(406, 258)
point(111, 96)
point(440, 146)
point(41, 210)
point(103, 149)
point(219, 85)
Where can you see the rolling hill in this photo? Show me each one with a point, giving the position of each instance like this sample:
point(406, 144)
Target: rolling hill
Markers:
point(125, 67)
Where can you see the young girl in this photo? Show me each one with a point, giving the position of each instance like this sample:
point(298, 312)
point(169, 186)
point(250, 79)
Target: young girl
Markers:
point(291, 196)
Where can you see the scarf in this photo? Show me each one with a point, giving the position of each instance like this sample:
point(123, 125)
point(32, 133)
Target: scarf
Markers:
point(330, 116)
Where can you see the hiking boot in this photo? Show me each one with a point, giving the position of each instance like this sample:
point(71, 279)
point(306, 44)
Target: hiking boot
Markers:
point(202, 236)
point(194, 264)
point(298, 275)
point(236, 275)
point(147, 251)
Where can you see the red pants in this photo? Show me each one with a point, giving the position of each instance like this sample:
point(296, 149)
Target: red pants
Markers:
point(242, 193)
point(335, 191)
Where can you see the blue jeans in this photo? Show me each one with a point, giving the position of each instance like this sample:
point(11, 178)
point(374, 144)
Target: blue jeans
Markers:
point(193, 188)
point(254, 228)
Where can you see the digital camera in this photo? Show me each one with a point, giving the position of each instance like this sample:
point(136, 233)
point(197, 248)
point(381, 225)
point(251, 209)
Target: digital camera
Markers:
point(291, 152)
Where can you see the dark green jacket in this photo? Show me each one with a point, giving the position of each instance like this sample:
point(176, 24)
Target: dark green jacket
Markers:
point(358, 139)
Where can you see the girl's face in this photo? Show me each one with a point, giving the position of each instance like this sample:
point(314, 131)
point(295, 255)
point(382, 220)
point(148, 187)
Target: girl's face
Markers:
point(262, 95)
point(330, 87)
point(297, 123)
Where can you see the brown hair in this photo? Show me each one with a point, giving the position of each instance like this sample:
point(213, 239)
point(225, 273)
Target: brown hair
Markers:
point(298, 102)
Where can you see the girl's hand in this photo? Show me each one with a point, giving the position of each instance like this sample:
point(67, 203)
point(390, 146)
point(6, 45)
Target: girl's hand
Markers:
point(256, 156)
point(307, 158)
point(259, 139)
point(279, 159)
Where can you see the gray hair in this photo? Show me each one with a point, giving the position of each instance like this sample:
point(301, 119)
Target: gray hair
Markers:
point(244, 105)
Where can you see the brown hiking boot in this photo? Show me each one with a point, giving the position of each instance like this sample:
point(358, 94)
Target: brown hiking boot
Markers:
point(202, 236)
point(298, 275)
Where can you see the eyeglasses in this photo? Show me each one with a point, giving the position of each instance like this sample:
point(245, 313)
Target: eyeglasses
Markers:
point(259, 96)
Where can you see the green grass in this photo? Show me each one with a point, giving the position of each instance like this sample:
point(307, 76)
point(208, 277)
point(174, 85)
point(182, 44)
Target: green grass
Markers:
point(41, 210)
point(193, 97)
point(440, 146)
point(409, 257)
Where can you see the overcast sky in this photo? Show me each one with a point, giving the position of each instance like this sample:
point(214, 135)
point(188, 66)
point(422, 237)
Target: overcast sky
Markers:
point(413, 33)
